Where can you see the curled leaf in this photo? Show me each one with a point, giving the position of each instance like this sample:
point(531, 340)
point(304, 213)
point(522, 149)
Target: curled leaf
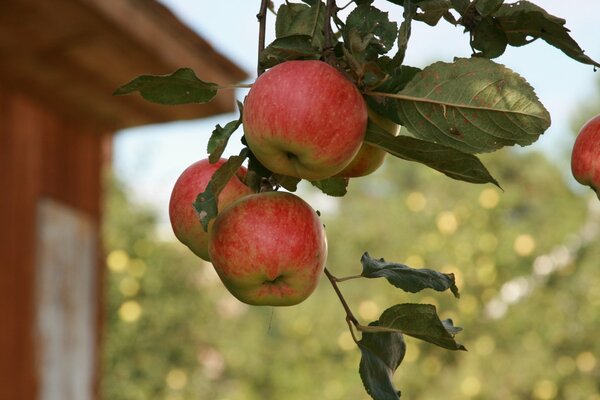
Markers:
point(206, 204)
point(406, 278)
point(422, 322)
point(381, 354)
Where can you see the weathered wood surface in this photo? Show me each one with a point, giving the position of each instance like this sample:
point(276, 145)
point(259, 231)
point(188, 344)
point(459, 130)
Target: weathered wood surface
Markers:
point(41, 156)
point(73, 54)
point(66, 289)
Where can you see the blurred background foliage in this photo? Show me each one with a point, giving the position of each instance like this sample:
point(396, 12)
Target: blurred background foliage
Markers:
point(526, 260)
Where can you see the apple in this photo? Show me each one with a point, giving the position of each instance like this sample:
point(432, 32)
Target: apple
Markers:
point(369, 157)
point(304, 119)
point(193, 181)
point(268, 249)
point(585, 158)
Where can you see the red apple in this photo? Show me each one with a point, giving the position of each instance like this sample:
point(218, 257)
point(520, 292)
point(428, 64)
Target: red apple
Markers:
point(269, 249)
point(369, 157)
point(585, 158)
point(184, 219)
point(304, 119)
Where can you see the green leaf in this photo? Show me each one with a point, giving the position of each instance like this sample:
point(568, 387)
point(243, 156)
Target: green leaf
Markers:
point(289, 183)
point(181, 87)
point(488, 38)
point(335, 186)
point(396, 75)
point(524, 21)
point(300, 19)
point(449, 161)
point(369, 29)
point(257, 175)
point(407, 278)
point(473, 105)
point(220, 136)
point(460, 5)
point(410, 10)
point(395, 79)
point(487, 7)
point(422, 322)
point(431, 11)
point(296, 47)
point(381, 354)
point(206, 204)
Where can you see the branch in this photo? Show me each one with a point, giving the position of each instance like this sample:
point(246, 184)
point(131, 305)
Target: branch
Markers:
point(349, 316)
point(262, 27)
point(328, 53)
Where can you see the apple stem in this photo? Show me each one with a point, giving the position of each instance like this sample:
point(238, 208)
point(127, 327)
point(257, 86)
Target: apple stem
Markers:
point(347, 278)
point(235, 86)
point(262, 27)
point(350, 318)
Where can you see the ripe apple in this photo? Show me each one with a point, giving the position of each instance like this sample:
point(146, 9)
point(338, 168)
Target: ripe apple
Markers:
point(585, 158)
point(369, 157)
point(184, 219)
point(304, 119)
point(269, 249)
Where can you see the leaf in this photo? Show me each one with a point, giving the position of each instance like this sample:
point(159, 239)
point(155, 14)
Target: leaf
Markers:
point(404, 32)
point(524, 21)
point(335, 186)
point(220, 136)
point(368, 25)
point(181, 87)
point(473, 105)
point(460, 5)
point(422, 322)
point(406, 278)
point(296, 47)
point(431, 11)
point(488, 38)
point(206, 204)
point(299, 19)
point(381, 354)
point(487, 7)
point(396, 78)
point(397, 75)
point(289, 183)
point(449, 161)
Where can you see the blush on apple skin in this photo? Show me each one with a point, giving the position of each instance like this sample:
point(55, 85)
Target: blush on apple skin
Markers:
point(304, 119)
point(184, 219)
point(585, 158)
point(269, 249)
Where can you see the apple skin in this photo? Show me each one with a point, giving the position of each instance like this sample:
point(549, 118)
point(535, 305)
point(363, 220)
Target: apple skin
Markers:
point(585, 158)
point(369, 157)
point(269, 249)
point(184, 219)
point(304, 119)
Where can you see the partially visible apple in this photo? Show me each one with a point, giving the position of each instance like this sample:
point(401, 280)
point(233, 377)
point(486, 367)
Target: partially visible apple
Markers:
point(304, 119)
point(585, 158)
point(184, 219)
point(369, 157)
point(269, 249)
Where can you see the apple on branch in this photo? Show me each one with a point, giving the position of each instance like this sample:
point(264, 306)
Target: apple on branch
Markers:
point(585, 158)
point(369, 157)
point(304, 119)
point(184, 219)
point(269, 249)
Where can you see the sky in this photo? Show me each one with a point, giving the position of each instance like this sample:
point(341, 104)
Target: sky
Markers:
point(149, 159)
